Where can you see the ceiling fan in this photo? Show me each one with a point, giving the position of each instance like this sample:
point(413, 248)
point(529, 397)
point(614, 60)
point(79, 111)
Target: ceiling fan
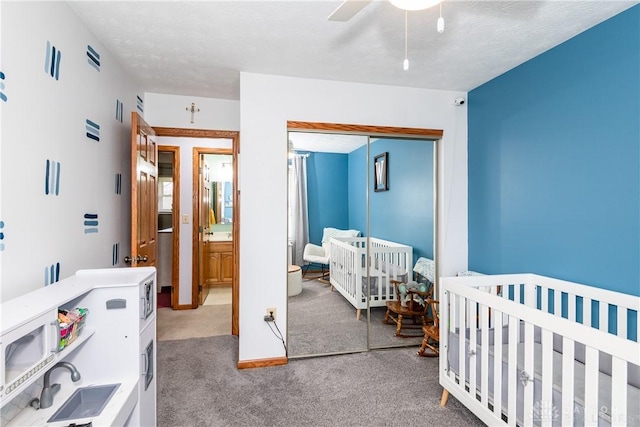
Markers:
point(350, 8)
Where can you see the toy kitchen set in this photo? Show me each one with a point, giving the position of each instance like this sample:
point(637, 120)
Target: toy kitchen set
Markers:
point(81, 351)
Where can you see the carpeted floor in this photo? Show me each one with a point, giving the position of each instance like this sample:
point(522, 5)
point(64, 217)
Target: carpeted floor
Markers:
point(205, 321)
point(199, 385)
point(322, 321)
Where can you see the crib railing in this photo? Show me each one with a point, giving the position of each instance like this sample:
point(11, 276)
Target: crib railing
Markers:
point(348, 267)
point(522, 311)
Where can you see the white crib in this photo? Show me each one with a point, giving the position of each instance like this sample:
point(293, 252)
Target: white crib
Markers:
point(566, 354)
point(348, 270)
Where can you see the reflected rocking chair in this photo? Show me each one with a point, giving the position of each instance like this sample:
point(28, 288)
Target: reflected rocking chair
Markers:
point(415, 307)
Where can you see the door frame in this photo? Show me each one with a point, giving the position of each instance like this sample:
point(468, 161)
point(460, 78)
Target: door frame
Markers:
point(197, 220)
point(175, 223)
point(234, 136)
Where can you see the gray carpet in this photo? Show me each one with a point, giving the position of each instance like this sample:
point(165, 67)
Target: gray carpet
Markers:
point(199, 385)
point(322, 321)
point(205, 321)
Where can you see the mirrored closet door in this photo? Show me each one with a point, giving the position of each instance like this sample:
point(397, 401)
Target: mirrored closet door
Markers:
point(376, 196)
point(327, 181)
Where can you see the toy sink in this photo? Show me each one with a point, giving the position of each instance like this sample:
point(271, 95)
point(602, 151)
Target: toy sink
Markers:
point(85, 402)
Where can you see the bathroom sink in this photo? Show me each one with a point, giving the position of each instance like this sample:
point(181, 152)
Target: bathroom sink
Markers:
point(85, 402)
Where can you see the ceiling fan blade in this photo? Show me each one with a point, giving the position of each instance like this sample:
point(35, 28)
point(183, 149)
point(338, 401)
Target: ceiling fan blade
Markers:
point(348, 9)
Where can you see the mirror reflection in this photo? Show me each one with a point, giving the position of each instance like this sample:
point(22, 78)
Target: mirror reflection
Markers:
point(401, 226)
point(218, 171)
point(349, 243)
point(324, 172)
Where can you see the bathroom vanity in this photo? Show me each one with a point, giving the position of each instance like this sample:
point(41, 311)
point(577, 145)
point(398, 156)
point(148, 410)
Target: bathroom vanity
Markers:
point(116, 346)
point(218, 259)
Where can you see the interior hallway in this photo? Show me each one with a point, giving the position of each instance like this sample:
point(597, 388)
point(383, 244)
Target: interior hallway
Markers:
point(213, 318)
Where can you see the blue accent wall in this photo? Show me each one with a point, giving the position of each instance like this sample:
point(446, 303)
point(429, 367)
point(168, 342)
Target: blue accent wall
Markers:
point(337, 185)
point(357, 190)
point(554, 162)
point(403, 214)
point(327, 193)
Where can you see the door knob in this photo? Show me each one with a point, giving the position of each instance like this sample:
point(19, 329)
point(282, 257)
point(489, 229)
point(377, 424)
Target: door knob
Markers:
point(127, 260)
point(142, 258)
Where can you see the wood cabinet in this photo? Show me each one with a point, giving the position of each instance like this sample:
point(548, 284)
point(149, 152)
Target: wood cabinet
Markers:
point(218, 266)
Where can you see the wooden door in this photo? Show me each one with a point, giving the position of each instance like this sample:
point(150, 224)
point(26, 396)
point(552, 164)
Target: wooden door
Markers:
point(144, 194)
point(203, 208)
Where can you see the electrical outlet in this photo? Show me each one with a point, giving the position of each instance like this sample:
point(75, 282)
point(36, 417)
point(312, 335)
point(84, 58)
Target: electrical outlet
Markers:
point(271, 311)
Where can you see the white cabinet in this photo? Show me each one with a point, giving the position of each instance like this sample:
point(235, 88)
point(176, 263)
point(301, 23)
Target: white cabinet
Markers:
point(117, 344)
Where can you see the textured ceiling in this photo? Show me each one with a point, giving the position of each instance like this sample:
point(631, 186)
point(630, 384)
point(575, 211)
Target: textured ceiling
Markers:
point(198, 48)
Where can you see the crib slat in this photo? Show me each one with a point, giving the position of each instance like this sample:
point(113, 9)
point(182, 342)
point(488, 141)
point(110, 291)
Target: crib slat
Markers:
point(622, 322)
point(530, 371)
point(591, 386)
point(604, 316)
point(568, 387)
point(544, 294)
point(586, 311)
point(512, 370)
point(557, 303)
point(530, 295)
point(497, 365)
point(472, 319)
point(462, 348)
point(484, 361)
point(546, 398)
point(571, 304)
point(618, 391)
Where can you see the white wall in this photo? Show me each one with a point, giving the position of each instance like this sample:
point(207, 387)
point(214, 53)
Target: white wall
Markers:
point(44, 118)
point(266, 103)
point(171, 111)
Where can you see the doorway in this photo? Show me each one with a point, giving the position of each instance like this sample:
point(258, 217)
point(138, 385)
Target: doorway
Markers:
point(188, 219)
point(168, 225)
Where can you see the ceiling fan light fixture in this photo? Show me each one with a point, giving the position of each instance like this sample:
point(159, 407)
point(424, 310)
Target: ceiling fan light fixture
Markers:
point(414, 4)
point(440, 25)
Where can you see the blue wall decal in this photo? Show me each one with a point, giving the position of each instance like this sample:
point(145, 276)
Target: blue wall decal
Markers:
point(1, 236)
point(115, 254)
point(93, 58)
point(90, 223)
point(2, 95)
point(119, 183)
point(140, 103)
point(119, 109)
point(52, 61)
point(51, 274)
point(93, 130)
point(52, 178)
